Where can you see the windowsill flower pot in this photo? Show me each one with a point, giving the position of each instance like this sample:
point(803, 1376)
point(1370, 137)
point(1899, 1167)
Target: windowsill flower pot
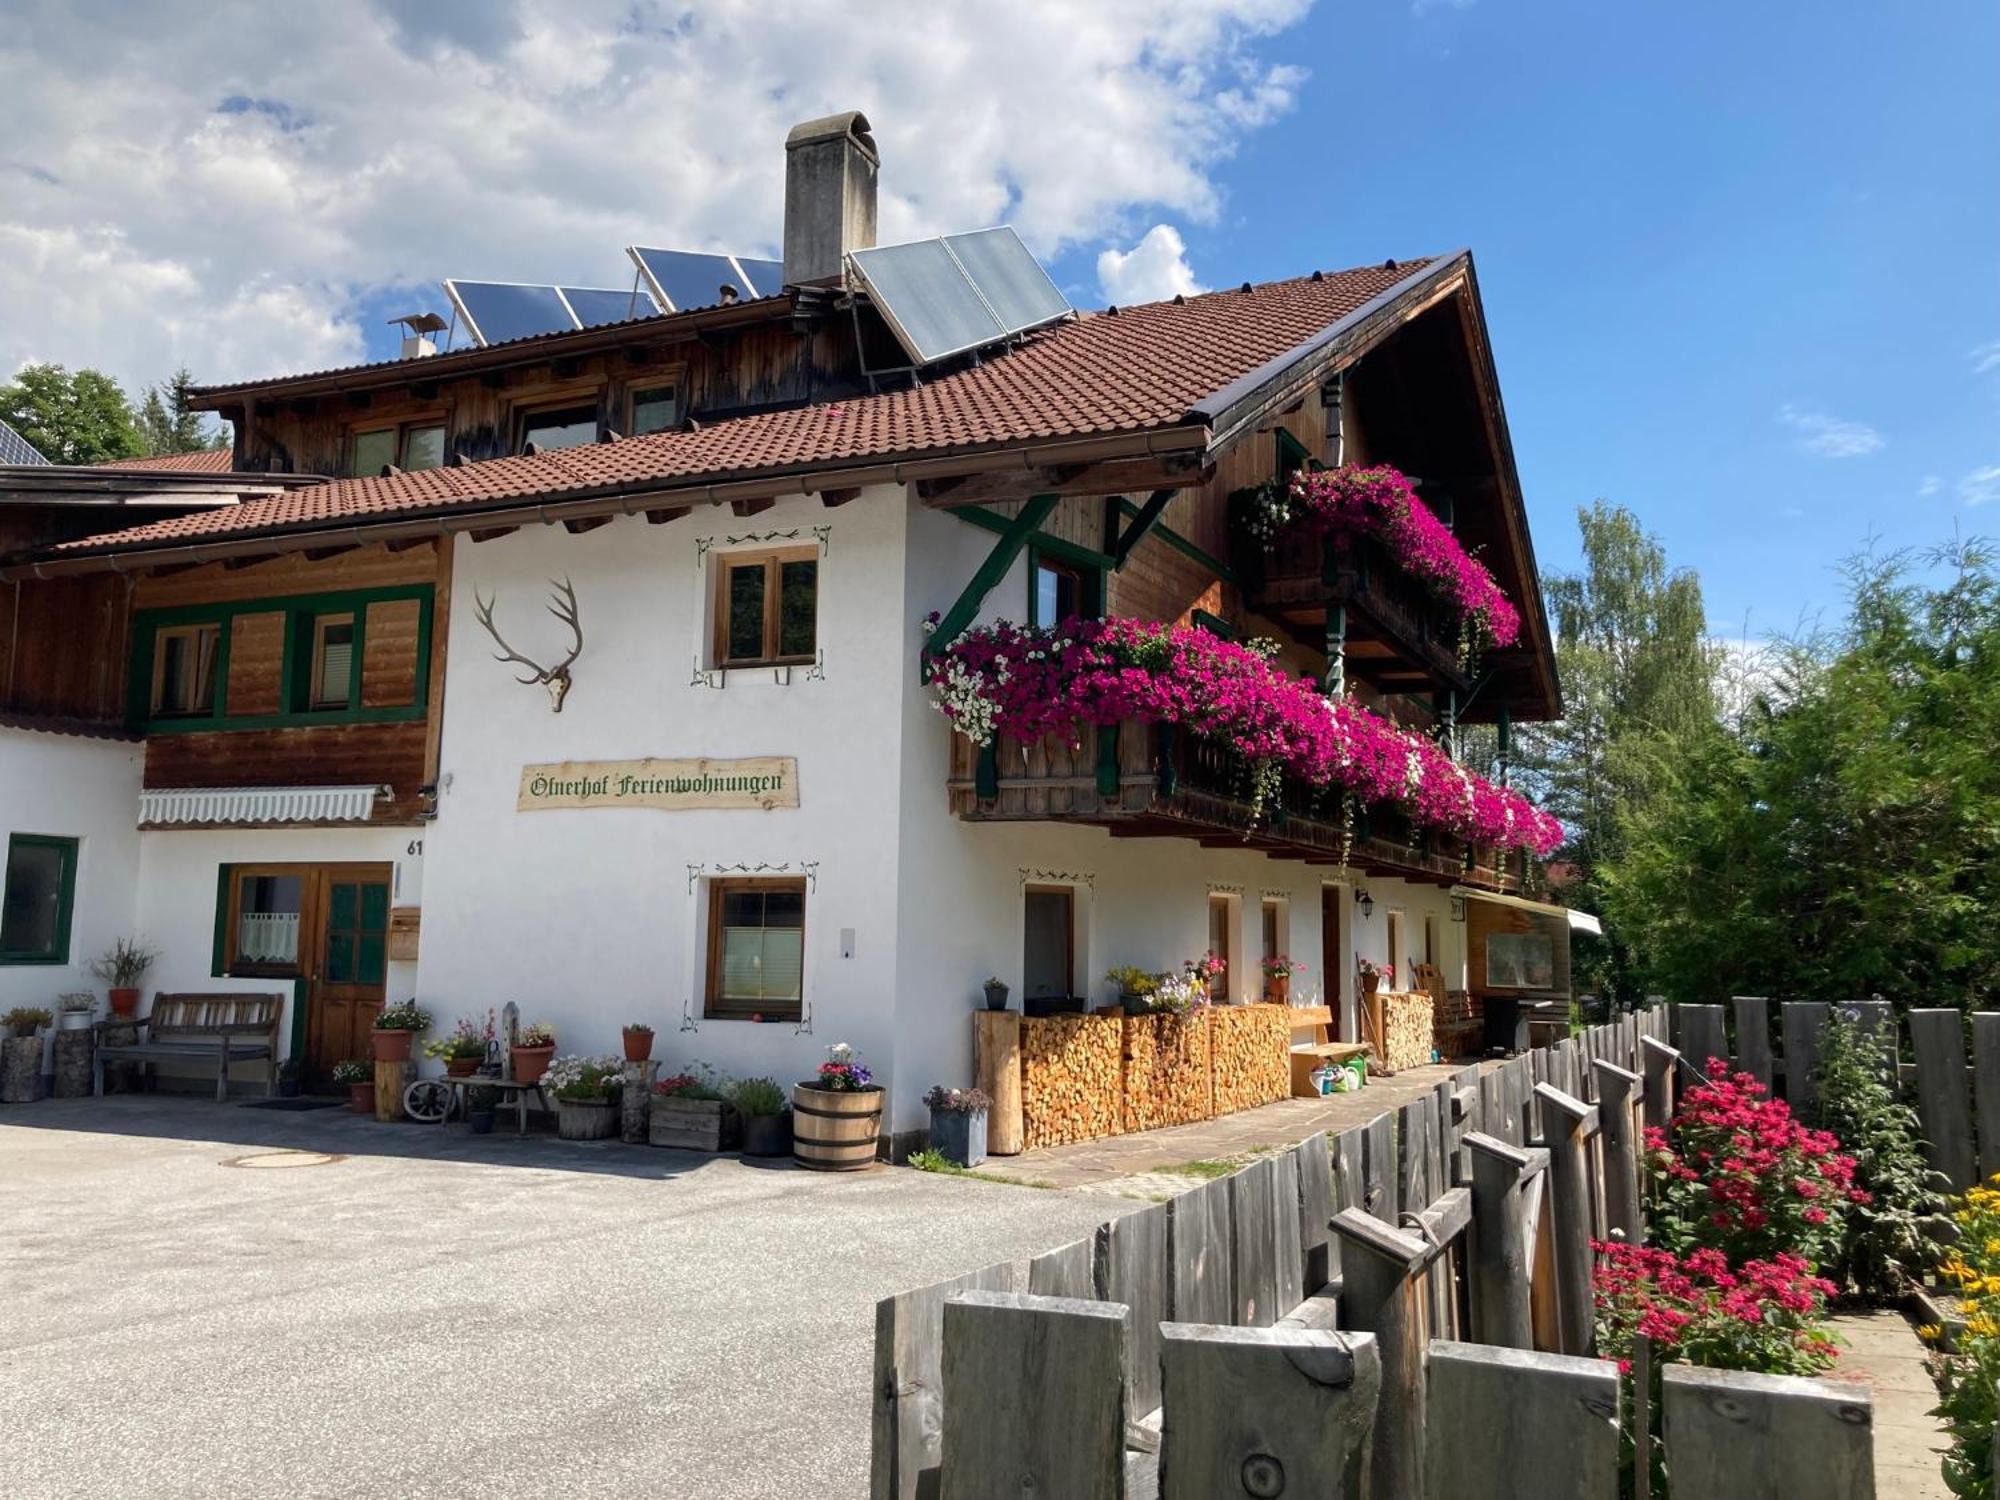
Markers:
point(837, 1117)
point(958, 1124)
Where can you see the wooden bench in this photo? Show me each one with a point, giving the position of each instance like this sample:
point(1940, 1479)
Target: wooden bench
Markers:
point(223, 1029)
point(1310, 1048)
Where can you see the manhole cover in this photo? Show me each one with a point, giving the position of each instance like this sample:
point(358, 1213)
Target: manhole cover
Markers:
point(265, 1159)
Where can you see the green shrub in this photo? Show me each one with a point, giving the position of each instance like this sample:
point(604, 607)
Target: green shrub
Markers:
point(756, 1097)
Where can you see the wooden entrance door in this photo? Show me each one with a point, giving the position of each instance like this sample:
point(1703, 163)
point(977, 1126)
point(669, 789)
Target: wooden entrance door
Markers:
point(347, 967)
point(1333, 955)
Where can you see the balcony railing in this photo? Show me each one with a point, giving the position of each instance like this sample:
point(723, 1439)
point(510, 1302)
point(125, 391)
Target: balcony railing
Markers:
point(1153, 779)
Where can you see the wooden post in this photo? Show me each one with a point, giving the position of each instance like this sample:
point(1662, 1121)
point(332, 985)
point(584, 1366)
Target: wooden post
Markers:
point(1034, 1397)
point(1513, 1422)
point(1767, 1437)
point(1316, 1206)
point(1803, 1021)
point(996, 1068)
point(1753, 1036)
point(1133, 1268)
point(391, 1078)
point(1661, 1067)
point(1617, 1093)
point(1938, 1038)
point(1267, 1411)
point(1568, 1124)
point(1198, 1239)
point(1253, 1253)
point(1381, 1294)
point(1986, 1088)
point(1506, 1206)
point(909, 1385)
point(1702, 1035)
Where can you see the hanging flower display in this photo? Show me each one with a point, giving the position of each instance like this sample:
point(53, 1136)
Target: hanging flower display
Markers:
point(1023, 682)
point(1382, 503)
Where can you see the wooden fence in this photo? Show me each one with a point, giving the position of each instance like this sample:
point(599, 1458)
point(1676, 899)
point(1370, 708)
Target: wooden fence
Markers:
point(1959, 1104)
point(1401, 1310)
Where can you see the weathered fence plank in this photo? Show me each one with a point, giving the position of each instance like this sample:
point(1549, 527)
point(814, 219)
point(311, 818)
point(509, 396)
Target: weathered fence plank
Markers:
point(1199, 1240)
point(1287, 1235)
point(1507, 1186)
point(1766, 1437)
point(1382, 1294)
point(1416, 1145)
point(1510, 1422)
point(1133, 1268)
point(1986, 1087)
point(1379, 1193)
point(1267, 1411)
point(1034, 1397)
point(1617, 1098)
point(1570, 1123)
point(1802, 1022)
point(1314, 1164)
point(1253, 1247)
point(909, 1396)
point(1660, 1065)
point(1066, 1271)
point(1938, 1039)
point(1702, 1035)
point(1753, 1036)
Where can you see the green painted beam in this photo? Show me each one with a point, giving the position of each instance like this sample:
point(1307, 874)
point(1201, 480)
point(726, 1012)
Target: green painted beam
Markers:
point(1143, 522)
point(1059, 548)
point(1183, 546)
point(1013, 538)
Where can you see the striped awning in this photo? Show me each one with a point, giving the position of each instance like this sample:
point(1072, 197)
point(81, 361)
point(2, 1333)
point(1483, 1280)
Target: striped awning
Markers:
point(258, 804)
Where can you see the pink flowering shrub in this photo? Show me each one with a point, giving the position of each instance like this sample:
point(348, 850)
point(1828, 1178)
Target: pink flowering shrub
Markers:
point(1025, 683)
point(1382, 503)
point(1736, 1171)
point(1762, 1315)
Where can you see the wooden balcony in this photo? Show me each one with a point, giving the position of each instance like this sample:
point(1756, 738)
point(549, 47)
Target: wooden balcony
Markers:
point(1143, 780)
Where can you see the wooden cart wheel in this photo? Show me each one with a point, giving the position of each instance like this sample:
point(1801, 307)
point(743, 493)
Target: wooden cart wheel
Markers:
point(427, 1101)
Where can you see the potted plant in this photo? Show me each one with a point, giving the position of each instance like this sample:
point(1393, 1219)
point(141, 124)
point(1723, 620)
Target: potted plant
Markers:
point(837, 1117)
point(26, 1021)
point(638, 1042)
point(481, 1104)
point(464, 1047)
point(288, 1078)
point(1278, 972)
point(996, 993)
point(358, 1075)
point(1136, 988)
point(21, 1054)
point(396, 1027)
point(767, 1117)
point(121, 967)
point(694, 1112)
point(73, 1012)
point(1372, 976)
point(534, 1045)
point(586, 1092)
point(958, 1124)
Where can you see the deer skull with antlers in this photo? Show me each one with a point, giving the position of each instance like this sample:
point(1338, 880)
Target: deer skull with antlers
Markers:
point(556, 678)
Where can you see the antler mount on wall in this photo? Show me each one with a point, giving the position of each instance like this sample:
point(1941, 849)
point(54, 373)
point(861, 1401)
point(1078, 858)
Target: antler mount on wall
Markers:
point(556, 678)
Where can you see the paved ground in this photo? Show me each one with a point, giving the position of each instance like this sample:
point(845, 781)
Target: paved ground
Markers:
point(1127, 1164)
point(437, 1314)
point(1883, 1351)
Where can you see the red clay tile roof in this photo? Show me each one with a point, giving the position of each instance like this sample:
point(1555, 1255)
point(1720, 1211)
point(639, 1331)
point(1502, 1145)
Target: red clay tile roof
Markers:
point(200, 461)
point(1142, 368)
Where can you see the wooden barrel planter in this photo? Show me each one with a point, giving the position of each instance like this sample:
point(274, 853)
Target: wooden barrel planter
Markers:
point(835, 1130)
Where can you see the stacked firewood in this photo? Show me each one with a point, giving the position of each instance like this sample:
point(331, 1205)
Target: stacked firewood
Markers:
point(1250, 1055)
point(1409, 1034)
point(1072, 1078)
point(1166, 1070)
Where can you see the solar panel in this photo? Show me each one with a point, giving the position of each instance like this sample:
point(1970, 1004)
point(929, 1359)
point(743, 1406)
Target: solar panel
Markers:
point(15, 449)
point(496, 311)
point(928, 299)
point(594, 305)
point(684, 280)
point(1013, 282)
point(768, 274)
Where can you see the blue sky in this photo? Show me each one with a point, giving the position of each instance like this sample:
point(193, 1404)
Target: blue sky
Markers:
point(1688, 220)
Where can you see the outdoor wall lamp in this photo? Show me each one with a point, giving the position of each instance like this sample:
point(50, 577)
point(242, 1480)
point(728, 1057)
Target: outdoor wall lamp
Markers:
point(1458, 908)
point(1366, 902)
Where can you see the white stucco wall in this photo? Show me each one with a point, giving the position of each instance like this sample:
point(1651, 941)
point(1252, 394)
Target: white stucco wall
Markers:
point(85, 789)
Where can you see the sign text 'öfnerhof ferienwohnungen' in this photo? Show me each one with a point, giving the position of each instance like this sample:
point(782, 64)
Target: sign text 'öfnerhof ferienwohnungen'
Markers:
point(671, 785)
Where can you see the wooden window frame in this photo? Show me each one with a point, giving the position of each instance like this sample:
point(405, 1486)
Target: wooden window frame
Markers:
point(773, 561)
point(629, 400)
point(1068, 894)
point(1397, 934)
point(714, 1007)
point(399, 447)
point(1228, 976)
point(58, 953)
point(528, 411)
point(317, 698)
point(193, 631)
point(1091, 589)
point(233, 912)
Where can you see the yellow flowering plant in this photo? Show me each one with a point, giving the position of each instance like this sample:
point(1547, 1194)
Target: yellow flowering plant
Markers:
point(1972, 1370)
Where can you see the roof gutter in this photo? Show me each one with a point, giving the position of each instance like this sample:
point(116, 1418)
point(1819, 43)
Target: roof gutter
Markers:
point(628, 499)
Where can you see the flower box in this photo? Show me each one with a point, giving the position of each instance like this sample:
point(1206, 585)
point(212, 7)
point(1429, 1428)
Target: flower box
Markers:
point(835, 1130)
point(960, 1135)
point(694, 1124)
point(586, 1119)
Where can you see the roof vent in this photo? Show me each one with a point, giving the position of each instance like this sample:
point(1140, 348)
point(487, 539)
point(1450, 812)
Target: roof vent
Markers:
point(830, 170)
point(417, 331)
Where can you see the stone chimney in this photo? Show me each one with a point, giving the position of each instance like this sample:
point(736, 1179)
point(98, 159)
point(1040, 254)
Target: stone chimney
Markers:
point(830, 170)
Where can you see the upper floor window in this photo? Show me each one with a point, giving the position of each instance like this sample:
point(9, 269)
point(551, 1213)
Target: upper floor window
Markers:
point(184, 671)
point(332, 661)
point(411, 446)
point(653, 409)
point(1058, 592)
point(560, 427)
point(767, 608)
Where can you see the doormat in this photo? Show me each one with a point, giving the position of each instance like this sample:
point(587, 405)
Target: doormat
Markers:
point(291, 1104)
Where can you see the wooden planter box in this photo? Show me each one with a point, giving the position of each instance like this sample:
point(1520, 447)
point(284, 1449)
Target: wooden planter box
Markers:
point(577, 1120)
point(694, 1124)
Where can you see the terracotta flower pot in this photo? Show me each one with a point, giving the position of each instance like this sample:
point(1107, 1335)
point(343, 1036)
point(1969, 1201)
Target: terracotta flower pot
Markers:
point(638, 1046)
point(462, 1067)
point(125, 1001)
point(530, 1063)
point(392, 1045)
point(361, 1098)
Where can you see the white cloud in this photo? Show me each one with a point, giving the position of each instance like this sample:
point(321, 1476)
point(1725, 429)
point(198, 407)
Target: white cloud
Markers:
point(1930, 486)
point(1151, 271)
point(1981, 486)
point(1830, 437)
point(1425, 7)
point(222, 184)
point(1986, 357)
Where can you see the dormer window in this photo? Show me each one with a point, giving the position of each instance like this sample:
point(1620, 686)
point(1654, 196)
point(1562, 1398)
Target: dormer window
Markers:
point(559, 427)
point(412, 446)
point(654, 409)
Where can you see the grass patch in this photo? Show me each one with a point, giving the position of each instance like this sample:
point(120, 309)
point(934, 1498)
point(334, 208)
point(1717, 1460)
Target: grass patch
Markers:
point(937, 1161)
point(1206, 1170)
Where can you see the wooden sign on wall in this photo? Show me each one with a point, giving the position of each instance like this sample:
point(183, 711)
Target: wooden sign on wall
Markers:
point(405, 923)
point(670, 785)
